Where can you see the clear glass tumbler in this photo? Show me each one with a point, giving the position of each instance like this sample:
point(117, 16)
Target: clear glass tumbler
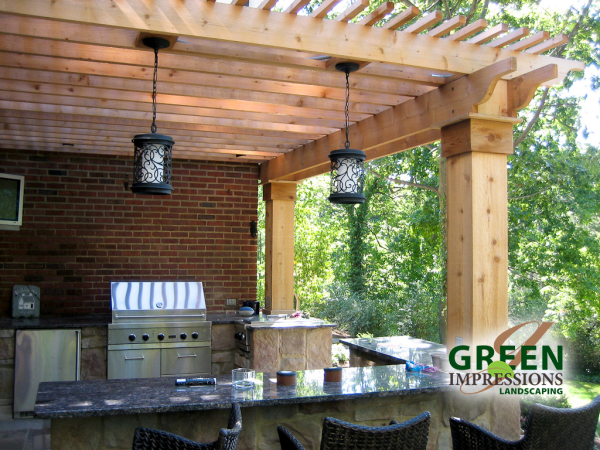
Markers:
point(242, 378)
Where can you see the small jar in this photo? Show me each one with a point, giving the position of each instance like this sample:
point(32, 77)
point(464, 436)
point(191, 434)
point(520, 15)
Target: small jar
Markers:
point(333, 374)
point(286, 378)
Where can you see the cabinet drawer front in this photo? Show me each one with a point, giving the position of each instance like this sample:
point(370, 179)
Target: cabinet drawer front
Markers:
point(133, 363)
point(185, 360)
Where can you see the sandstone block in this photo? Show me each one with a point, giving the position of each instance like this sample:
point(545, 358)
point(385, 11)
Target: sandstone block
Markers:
point(93, 364)
point(94, 331)
point(222, 337)
point(94, 342)
point(7, 378)
point(292, 363)
point(293, 341)
point(506, 414)
point(318, 348)
point(77, 434)
point(222, 356)
point(7, 349)
point(265, 345)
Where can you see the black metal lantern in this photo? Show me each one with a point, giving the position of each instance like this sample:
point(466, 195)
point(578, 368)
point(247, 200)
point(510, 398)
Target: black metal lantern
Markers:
point(347, 165)
point(152, 157)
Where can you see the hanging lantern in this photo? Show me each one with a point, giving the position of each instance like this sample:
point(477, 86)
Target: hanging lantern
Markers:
point(152, 151)
point(347, 165)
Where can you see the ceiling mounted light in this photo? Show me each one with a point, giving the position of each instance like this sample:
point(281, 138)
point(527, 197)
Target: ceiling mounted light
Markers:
point(347, 171)
point(152, 157)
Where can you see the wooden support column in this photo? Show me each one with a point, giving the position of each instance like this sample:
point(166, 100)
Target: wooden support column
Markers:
point(279, 247)
point(476, 150)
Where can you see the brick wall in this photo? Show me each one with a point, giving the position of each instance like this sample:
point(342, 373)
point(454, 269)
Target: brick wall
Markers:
point(82, 229)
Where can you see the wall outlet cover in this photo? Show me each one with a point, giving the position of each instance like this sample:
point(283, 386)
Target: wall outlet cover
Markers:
point(231, 302)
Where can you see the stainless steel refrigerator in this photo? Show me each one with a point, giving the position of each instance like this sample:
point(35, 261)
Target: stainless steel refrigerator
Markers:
point(43, 355)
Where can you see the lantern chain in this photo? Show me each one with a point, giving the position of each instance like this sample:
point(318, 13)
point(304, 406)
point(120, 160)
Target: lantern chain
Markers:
point(347, 143)
point(153, 126)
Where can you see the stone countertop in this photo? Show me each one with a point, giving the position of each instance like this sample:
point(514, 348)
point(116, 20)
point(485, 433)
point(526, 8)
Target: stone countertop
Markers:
point(99, 320)
point(396, 349)
point(261, 321)
point(68, 399)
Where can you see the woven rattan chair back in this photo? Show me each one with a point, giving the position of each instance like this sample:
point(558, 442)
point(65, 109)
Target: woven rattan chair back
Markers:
point(149, 439)
point(409, 435)
point(546, 429)
point(339, 435)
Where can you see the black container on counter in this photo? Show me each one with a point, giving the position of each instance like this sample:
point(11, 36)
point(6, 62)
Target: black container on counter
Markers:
point(253, 304)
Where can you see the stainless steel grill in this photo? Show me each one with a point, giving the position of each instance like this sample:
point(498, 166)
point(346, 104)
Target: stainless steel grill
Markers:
point(158, 329)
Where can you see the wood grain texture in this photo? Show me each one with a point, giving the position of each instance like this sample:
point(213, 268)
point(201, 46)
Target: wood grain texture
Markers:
point(477, 226)
point(279, 245)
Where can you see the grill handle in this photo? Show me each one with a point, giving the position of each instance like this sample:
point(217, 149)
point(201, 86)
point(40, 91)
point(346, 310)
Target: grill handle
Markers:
point(136, 358)
point(119, 316)
point(186, 356)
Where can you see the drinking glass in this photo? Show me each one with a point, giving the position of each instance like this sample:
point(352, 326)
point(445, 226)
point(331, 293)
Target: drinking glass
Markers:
point(242, 378)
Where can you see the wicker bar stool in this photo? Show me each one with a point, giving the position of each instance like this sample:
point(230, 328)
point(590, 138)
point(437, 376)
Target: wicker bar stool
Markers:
point(149, 439)
point(339, 435)
point(546, 429)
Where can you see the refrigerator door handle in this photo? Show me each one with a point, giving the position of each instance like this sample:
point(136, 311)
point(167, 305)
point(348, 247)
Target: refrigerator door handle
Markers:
point(78, 356)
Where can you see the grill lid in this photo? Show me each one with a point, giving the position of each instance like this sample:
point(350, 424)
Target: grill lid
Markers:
point(134, 301)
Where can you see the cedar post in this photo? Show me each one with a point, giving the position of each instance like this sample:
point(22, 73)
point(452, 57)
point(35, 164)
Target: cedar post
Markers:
point(279, 247)
point(476, 150)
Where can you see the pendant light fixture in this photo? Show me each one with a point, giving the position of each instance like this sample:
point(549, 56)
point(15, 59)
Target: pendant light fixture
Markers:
point(152, 157)
point(347, 171)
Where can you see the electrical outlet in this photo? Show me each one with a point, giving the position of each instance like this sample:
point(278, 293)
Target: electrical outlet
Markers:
point(459, 341)
point(231, 302)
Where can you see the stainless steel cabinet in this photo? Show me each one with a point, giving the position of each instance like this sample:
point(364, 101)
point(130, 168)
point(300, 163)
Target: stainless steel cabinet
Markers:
point(139, 363)
point(43, 355)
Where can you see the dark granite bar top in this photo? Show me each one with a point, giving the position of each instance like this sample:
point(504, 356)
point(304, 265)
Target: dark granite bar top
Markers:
point(396, 349)
point(103, 320)
point(99, 320)
point(157, 395)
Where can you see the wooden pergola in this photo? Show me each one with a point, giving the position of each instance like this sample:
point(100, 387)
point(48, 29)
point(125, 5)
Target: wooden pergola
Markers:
point(245, 83)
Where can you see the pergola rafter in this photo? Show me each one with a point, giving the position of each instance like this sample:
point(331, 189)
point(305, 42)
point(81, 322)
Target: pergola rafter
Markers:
point(249, 84)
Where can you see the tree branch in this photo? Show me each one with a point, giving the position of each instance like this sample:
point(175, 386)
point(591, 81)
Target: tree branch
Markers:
point(484, 10)
point(530, 195)
point(405, 183)
point(533, 120)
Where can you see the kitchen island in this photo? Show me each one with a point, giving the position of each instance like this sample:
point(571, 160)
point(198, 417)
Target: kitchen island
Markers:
point(390, 350)
point(103, 414)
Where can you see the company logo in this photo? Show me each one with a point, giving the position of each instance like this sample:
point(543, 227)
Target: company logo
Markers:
point(501, 361)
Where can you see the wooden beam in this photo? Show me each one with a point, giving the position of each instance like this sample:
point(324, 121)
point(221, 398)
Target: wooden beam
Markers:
point(267, 4)
point(279, 247)
point(522, 89)
point(400, 19)
point(379, 13)
point(272, 29)
point(561, 39)
point(414, 116)
point(468, 31)
point(477, 135)
point(422, 24)
point(488, 35)
point(509, 38)
point(529, 42)
point(168, 61)
point(325, 6)
point(447, 26)
point(352, 11)
point(184, 77)
point(141, 124)
point(296, 6)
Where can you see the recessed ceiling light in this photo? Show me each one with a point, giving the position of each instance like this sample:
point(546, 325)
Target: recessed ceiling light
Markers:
point(65, 144)
point(441, 75)
point(320, 58)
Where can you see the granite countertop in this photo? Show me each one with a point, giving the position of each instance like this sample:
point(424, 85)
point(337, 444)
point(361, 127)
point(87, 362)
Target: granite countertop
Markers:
point(154, 395)
point(99, 320)
point(396, 349)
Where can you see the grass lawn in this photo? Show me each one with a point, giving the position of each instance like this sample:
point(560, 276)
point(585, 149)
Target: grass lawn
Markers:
point(580, 393)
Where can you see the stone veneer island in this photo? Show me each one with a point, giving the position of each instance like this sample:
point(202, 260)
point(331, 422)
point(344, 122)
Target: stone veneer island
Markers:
point(103, 414)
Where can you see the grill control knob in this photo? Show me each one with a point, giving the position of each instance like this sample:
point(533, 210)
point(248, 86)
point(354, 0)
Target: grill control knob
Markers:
point(194, 335)
point(132, 337)
point(240, 336)
point(183, 336)
point(160, 337)
point(145, 337)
